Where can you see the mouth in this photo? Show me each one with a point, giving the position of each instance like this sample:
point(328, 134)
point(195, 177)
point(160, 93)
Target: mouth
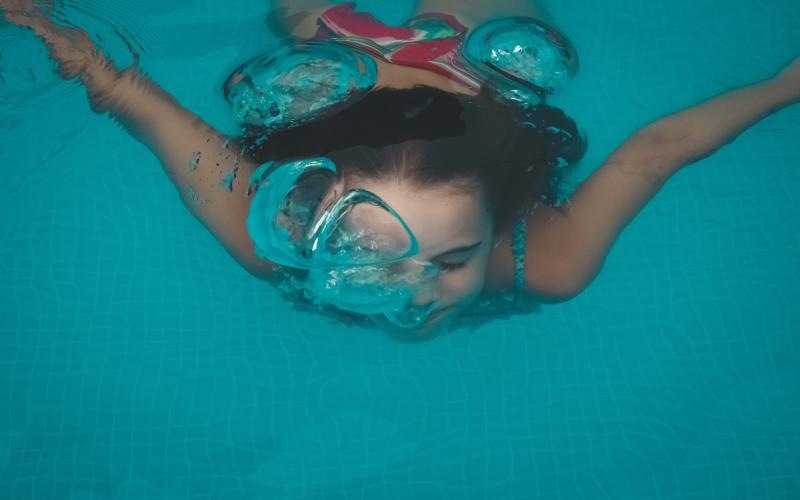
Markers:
point(422, 332)
point(437, 313)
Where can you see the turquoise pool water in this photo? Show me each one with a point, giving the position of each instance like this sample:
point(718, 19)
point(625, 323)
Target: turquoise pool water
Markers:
point(138, 360)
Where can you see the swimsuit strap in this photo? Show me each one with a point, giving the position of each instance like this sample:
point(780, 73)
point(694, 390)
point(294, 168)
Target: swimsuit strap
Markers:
point(518, 249)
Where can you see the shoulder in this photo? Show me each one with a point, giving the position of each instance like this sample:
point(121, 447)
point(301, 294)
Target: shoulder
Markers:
point(549, 277)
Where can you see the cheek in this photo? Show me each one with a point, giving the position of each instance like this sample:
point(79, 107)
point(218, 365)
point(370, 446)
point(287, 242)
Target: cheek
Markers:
point(465, 283)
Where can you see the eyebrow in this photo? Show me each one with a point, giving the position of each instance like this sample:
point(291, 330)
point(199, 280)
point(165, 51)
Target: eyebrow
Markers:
point(464, 248)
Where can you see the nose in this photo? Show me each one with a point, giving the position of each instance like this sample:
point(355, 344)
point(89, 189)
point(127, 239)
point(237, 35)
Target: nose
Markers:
point(426, 296)
point(426, 291)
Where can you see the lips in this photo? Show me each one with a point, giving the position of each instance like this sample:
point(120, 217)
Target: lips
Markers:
point(437, 313)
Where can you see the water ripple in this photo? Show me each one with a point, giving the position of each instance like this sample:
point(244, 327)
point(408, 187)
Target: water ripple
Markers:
point(28, 80)
point(42, 113)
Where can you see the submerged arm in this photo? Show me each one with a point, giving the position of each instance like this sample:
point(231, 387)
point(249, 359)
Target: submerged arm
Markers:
point(195, 156)
point(579, 236)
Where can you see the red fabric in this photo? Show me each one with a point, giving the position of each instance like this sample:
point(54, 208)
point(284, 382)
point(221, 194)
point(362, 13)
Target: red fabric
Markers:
point(363, 24)
point(405, 46)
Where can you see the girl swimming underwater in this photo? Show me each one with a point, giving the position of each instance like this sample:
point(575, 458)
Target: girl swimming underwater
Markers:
point(407, 174)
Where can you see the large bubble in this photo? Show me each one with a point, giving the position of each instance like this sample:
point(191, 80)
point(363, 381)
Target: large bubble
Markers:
point(297, 84)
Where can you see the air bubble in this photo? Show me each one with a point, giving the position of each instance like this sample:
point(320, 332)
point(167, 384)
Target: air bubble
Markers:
point(194, 161)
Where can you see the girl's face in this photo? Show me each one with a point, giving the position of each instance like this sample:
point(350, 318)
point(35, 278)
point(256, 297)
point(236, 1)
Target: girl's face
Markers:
point(454, 230)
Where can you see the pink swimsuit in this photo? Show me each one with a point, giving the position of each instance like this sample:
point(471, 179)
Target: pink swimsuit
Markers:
point(428, 41)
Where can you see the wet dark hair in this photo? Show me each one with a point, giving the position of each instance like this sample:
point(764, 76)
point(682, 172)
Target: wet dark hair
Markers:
point(430, 137)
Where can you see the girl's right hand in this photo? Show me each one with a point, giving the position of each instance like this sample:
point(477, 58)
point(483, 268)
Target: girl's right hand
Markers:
point(24, 12)
point(72, 48)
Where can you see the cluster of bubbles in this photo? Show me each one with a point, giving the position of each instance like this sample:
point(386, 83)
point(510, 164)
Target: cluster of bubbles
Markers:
point(299, 83)
point(533, 58)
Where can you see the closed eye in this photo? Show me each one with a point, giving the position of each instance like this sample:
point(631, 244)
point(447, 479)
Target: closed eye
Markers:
point(446, 267)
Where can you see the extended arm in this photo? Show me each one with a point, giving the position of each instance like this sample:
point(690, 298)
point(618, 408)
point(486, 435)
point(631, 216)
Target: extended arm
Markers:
point(572, 241)
point(196, 157)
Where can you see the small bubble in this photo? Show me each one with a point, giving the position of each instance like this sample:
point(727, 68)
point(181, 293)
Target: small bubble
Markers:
point(191, 194)
point(274, 110)
point(227, 181)
point(194, 161)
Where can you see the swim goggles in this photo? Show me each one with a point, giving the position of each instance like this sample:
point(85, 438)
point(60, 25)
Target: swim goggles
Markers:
point(358, 251)
point(522, 59)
